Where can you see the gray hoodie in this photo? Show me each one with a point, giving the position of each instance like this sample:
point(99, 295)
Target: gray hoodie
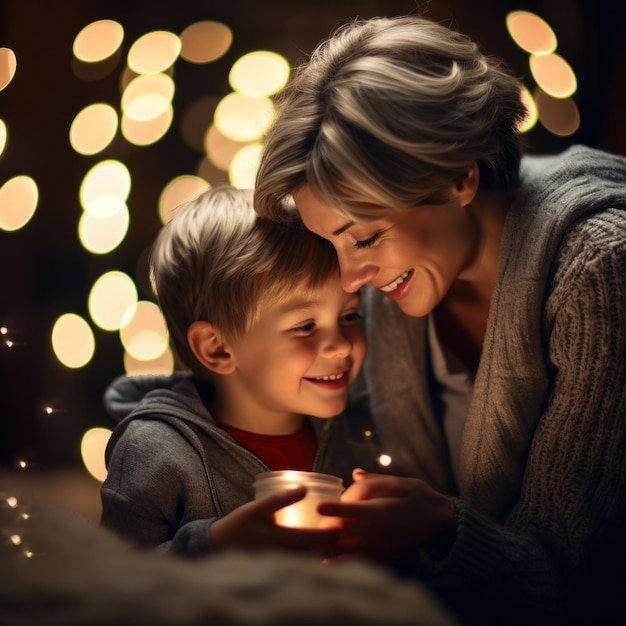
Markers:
point(172, 470)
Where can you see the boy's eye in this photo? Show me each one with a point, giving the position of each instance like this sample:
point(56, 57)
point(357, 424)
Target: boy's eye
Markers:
point(305, 328)
point(366, 243)
point(350, 318)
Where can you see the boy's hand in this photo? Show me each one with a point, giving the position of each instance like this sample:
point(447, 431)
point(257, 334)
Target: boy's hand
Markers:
point(383, 516)
point(251, 526)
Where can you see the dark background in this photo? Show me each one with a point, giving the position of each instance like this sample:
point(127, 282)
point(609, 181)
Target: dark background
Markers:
point(44, 271)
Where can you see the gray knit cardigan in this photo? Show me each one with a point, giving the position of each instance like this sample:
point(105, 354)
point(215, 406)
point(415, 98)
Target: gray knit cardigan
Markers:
point(542, 478)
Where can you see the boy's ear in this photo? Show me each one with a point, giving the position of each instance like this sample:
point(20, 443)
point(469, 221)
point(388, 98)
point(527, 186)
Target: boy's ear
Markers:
point(465, 188)
point(208, 346)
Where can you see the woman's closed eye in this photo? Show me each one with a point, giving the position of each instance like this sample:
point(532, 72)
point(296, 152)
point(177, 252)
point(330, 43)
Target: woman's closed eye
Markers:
point(366, 243)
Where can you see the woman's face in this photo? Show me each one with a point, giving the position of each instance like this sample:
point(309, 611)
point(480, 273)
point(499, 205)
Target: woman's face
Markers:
point(413, 256)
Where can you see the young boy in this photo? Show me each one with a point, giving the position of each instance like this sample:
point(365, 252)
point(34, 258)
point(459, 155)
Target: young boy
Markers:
point(256, 313)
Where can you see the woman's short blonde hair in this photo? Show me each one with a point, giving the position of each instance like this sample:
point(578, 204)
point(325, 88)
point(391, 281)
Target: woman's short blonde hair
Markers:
point(385, 115)
point(218, 261)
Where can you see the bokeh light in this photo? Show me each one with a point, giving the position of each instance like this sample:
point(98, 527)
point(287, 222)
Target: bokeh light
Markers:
point(179, 190)
point(531, 33)
point(106, 178)
point(163, 365)
point(8, 66)
point(206, 41)
point(92, 447)
point(110, 297)
point(530, 121)
point(19, 197)
point(243, 118)
point(73, 341)
point(100, 233)
point(220, 149)
point(553, 74)
point(93, 128)
point(148, 96)
point(3, 136)
point(560, 116)
point(144, 333)
point(154, 52)
point(146, 132)
point(243, 167)
point(259, 73)
point(98, 41)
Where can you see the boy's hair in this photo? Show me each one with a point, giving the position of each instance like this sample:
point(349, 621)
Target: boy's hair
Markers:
point(385, 115)
point(218, 261)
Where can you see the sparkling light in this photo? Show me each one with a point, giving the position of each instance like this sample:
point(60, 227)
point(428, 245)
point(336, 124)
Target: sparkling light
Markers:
point(163, 364)
point(12, 502)
point(220, 149)
point(73, 341)
point(19, 197)
point(98, 41)
point(532, 115)
point(558, 115)
point(384, 460)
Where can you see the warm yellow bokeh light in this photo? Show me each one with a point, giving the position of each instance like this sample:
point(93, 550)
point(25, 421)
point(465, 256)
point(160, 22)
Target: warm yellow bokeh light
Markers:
point(259, 73)
point(530, 121)
point(154, 52)
point(110, 297)
point(164, 364)
point(558, 115)
point(148, 96)
point(100, 233)
point(92, 447)
point(106, 178)
point(18, 202)
point(220, 149)
point(73, 341)
point(243, 118)
point(144, 332)
point(98, 41)
point(8, 66)
point(93, 128)
point(243, 167)
point(177, 191)
point(531, 33)
point(553, 74)
point(144, 133)
point(203, 42)
point(3, 136)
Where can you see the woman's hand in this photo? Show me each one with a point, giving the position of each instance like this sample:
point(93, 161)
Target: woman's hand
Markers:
point(251, 526)
point(382, 516)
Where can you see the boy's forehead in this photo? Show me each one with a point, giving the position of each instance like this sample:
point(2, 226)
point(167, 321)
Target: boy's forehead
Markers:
point(302, 298)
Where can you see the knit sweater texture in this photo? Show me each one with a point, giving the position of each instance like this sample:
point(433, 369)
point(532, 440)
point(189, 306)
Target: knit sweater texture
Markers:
point(541, 488)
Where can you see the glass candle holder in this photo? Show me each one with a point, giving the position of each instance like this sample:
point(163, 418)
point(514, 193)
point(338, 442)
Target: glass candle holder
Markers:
point(301, 514)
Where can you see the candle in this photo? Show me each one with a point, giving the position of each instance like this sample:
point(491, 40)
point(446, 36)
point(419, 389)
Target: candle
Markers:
point(301, 514)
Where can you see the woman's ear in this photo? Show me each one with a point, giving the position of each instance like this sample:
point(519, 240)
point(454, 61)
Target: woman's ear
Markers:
point(465, 188)
point(209, 347)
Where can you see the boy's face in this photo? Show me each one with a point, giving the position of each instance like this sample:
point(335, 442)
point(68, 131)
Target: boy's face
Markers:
point(300, 357)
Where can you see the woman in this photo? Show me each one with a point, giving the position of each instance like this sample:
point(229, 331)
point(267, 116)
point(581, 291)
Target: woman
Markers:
point(495, 310)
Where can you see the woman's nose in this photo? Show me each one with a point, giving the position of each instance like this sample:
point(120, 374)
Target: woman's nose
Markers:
point(354, 277)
